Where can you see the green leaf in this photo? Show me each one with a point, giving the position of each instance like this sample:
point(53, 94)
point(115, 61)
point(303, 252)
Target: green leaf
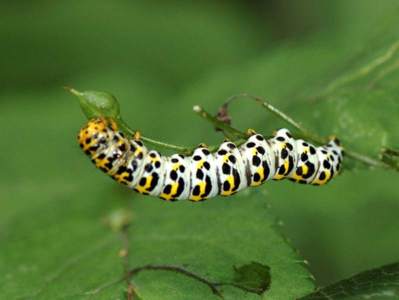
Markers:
point(62, 225)
point(378, 283)
point(253, 276)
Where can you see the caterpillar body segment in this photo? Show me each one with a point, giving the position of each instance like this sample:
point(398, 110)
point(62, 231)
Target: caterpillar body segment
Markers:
point(203, 174)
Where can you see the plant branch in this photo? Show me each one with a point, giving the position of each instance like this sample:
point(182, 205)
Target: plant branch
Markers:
point(128, 130)
point(239, 137)
point(99, 104)
point(280, 114)
point(307, 134)
point(229, 131)
point(233, 134)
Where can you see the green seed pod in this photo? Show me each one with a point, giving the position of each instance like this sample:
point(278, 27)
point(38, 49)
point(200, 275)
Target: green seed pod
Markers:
point(97, 104)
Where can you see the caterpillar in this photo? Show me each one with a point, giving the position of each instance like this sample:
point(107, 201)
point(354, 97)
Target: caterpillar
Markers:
point(203, 174)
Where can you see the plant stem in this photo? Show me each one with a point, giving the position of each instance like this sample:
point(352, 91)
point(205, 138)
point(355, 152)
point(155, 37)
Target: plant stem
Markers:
point(128, 130)
point(229, 131)
point(239, 137)
point(235, 135)
point(307, 134)
point(367, 160)
point(262, 102)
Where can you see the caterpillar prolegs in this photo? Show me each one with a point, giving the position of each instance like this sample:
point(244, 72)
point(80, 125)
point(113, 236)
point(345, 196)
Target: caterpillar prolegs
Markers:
point(203, 174)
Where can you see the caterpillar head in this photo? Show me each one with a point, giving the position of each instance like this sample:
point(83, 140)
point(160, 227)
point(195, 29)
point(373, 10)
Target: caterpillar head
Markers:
point(95, 135)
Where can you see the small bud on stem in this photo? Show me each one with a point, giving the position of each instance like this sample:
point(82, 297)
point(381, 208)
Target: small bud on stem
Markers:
point(97, 104)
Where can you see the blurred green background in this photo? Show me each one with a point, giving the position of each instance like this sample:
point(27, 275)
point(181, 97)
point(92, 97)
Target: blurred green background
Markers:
point(162, 57)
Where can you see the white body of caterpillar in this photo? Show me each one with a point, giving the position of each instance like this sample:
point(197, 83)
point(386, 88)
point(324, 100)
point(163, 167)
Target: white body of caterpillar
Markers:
point(203, 174)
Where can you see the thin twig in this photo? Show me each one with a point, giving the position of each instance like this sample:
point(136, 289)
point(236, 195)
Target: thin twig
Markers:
point(239, 137)
point(128, 130)
point(279, 114)
point(235, 135)
point(307, 133)
point(231, 132)
point(267, 105)
point(367, 160)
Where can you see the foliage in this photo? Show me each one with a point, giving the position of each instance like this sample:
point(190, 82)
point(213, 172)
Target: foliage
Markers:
point(378, 283)
point(67, 231)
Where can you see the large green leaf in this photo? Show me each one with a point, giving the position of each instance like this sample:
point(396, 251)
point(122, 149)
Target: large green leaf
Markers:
point(378, 283)
point(56, 244)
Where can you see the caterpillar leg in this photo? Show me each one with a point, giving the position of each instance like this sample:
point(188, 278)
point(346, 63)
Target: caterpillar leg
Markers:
point(250, 132)
point(137, 136)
